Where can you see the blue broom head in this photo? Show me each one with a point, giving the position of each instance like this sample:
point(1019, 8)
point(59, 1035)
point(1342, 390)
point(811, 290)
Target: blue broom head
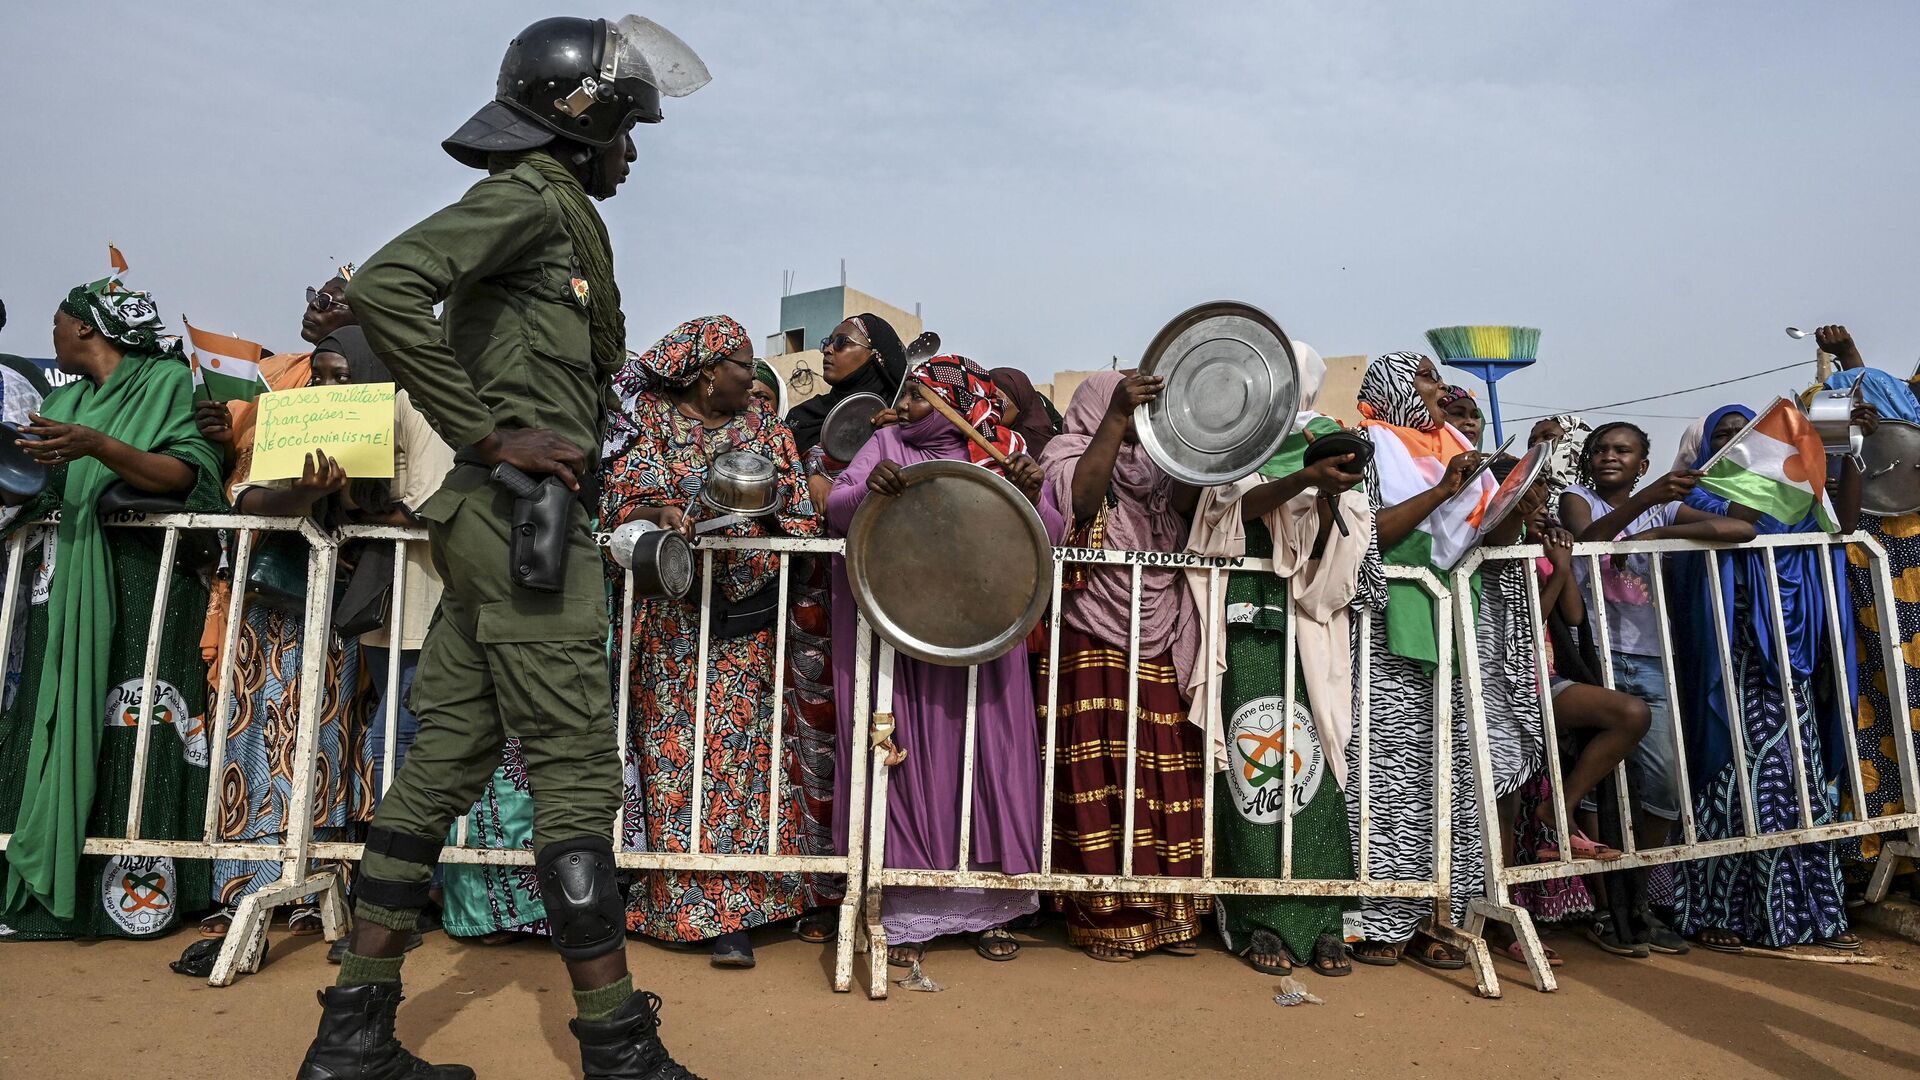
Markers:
point(1485, 342)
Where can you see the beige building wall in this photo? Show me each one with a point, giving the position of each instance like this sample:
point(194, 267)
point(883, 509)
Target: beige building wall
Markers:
point(904, 323)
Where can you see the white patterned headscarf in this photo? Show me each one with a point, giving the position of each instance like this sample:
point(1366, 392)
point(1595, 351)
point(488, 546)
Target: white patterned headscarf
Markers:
point(1387, 392)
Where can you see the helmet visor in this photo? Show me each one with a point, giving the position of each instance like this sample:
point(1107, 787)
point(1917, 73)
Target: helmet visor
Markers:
point(642, 49)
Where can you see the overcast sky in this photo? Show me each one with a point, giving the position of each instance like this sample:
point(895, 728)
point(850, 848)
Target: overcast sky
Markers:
point(1660, 186)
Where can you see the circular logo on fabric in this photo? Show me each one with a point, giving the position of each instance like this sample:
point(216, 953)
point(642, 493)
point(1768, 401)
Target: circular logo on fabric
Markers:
point(169, 707)
point(138, 893)
point(1256, 736)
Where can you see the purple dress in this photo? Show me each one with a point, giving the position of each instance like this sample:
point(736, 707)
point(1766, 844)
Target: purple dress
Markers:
point(929, 704)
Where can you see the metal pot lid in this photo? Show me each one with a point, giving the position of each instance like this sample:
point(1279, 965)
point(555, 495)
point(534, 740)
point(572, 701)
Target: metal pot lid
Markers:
point(1890, 471)
point(1533, 465)
point(20, 475)
point(956, 571)
point(1232, 392)
point(849, 425)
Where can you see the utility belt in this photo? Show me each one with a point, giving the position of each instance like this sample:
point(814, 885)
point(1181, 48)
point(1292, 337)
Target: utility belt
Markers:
point(537, 543)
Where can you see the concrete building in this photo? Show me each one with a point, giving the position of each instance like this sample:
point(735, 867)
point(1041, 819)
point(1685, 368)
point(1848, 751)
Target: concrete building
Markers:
point(808, 317)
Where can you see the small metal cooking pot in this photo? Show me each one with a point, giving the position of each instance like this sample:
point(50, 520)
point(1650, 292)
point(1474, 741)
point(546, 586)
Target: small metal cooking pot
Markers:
point(740, 482)
point(661, 559)
point(1831, 414)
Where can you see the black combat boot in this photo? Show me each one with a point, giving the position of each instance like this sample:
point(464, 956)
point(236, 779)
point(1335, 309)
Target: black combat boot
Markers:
point(626, 1045)
point(356, 1040)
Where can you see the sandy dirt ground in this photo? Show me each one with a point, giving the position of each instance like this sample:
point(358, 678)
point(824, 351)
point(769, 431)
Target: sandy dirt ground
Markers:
point(113, 1009)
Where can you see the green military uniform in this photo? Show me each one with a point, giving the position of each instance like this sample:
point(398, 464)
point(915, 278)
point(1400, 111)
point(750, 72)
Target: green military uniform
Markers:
point(500, 661)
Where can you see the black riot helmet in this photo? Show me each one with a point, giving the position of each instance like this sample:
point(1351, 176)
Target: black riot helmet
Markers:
point(584, 80)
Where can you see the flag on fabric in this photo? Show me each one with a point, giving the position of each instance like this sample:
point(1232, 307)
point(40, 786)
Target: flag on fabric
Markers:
point(1776, 465)
point(116, 260)
point(225, 368)
point(1409, 462)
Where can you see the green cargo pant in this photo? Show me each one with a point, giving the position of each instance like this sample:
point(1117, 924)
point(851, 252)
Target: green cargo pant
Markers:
point(505, 662)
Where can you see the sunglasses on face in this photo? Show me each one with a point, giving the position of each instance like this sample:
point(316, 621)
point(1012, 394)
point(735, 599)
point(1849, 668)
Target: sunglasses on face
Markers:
point(836, 342)
point(322, 300)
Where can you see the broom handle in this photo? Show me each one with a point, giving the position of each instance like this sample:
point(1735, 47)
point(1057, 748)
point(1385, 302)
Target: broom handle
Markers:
point(940, 406)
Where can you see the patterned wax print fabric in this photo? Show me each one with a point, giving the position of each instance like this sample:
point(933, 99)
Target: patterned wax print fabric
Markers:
point(666, 466)
point(126, 896)
point(1552, 901)
point(1875, 723)
point(256, 778)
point(1088, 817)
point(1249, 796)
point(482, 899)
point(967, 387)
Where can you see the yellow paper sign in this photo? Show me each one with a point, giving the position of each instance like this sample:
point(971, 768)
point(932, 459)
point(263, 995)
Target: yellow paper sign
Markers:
point(352, 424)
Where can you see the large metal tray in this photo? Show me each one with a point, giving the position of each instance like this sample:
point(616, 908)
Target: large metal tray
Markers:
point(1232, 392)
point(957, 570)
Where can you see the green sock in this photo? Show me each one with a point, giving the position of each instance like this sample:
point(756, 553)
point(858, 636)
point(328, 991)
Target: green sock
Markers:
point(406, 920)
point(604, 1002)
point(357, 970)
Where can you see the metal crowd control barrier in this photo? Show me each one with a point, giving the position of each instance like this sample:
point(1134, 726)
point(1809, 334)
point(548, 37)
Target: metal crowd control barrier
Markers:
point(1439, 888)
point(1498, 905)
point(770, 861)
point(243, 947)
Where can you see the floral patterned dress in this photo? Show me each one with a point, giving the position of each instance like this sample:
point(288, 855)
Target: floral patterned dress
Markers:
point(666, 466)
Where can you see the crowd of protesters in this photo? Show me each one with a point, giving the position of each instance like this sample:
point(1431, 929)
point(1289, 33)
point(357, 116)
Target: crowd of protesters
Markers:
point(1405, 488)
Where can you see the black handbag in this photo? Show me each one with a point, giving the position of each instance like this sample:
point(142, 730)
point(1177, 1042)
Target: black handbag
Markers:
point(368, 598)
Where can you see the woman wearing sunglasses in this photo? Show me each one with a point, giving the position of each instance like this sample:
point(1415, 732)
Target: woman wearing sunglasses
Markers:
point(863, 355)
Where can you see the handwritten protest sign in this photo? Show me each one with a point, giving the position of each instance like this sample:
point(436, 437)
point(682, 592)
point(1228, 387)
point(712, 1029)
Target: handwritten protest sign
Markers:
point(352, 424)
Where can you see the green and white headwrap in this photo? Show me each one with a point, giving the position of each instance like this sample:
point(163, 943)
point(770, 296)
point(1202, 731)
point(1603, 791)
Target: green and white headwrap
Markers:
point(123, 316)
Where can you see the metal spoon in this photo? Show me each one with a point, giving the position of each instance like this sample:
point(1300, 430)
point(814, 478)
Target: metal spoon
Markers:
point(1796, 333)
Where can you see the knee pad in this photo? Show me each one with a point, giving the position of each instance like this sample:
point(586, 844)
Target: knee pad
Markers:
point(389, 893)
point(584, 906)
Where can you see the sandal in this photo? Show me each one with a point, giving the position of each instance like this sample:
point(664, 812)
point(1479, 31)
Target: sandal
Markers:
point(305, 922)
point(217, 924)
point(1516, 954)
point(1583, 848)
point(1263, 950)
point(996, 944)
point(1375, 953)
point(1180, 948)
point(816, 928)
point(1437, 954)
point(1602, 932)
point(1719, 940)
point(1330, 957)
point(904, 956)
point(1844, 941)
point(1107, 954)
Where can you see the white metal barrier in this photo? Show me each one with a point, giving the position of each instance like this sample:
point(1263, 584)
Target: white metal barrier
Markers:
point(244, 945)
point(772, 860)
point(1498, 905)
point(1439, 888)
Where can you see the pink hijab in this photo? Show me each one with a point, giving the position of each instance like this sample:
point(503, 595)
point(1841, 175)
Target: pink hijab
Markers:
point(1139, 517)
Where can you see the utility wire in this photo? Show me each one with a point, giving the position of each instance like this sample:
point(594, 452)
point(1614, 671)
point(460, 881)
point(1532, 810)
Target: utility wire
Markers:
point(1668, 394)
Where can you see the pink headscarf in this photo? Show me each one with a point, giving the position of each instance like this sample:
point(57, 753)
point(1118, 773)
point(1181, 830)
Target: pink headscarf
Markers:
point(1139, 517)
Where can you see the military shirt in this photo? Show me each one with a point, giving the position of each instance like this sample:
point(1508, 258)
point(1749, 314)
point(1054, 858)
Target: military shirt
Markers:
point(512, 349)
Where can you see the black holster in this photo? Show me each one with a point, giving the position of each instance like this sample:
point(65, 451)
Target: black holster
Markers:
point(537, 549)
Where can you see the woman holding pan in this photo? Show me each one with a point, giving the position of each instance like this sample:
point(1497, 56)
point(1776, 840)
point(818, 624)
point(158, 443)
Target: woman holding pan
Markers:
point(929, 701)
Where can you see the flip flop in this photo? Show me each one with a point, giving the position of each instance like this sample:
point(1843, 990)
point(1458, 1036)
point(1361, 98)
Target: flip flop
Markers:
point(1735, 946)
point(1330, 957)
point(217, 924)
point(1516, 954)
point(1107, 954)
point(1845, 943)
point(1180, 948)
point(984, 945)
point(1583, 848)
point(1450, 958)
point(815, 929)
point(1266, 943)
point(913, 952)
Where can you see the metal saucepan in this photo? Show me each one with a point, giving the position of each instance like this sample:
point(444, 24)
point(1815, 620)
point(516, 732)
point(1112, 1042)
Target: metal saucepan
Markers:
point(740, 482)
point(1831, 413)
point(661, 559)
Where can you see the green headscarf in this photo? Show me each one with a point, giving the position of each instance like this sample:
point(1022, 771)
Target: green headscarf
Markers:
point(127, 318)
point(764, 374)
point(147, 403)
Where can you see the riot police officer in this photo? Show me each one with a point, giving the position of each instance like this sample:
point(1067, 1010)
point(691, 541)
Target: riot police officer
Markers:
point(515, 375)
